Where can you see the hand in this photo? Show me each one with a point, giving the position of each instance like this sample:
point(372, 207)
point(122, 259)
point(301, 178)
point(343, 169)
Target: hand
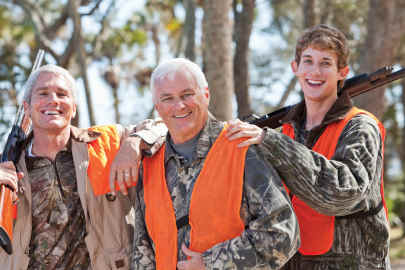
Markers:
point(238, 129)
point(125, 167)
point(194, 263)
point(10, 177)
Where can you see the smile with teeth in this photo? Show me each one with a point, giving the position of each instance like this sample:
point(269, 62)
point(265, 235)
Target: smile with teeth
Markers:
point(183, 115)
point(314, 82)
point(52, 112)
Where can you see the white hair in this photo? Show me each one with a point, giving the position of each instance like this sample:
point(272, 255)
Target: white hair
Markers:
point(54, 69)
point(175, 65)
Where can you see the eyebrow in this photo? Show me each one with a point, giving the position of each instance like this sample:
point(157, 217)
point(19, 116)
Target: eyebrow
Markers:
point(46, 88)
point(182, 91)
point(323, 58)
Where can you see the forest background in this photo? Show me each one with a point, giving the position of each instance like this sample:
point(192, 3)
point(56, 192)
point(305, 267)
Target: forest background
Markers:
point(244, 47)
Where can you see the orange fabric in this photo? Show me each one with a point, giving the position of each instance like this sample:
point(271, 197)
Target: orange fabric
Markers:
point(7, 212)
point(316, 229)
point(101, 154)
point(214, 214)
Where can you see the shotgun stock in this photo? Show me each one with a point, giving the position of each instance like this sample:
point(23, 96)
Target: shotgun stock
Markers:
point(354, 86)
point(12, 152)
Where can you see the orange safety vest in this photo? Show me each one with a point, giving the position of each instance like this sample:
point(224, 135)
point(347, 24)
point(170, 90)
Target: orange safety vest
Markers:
point(214, 214)
point(316, 229)
point(101, 154)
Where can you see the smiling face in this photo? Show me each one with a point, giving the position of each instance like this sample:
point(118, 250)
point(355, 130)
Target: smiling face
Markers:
point(318, 74)
point(182, 105)
point(52, 104)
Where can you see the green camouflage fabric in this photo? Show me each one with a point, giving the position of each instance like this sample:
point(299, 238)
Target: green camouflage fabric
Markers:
point(271, 236)
point(348, 183)
point(58, 223)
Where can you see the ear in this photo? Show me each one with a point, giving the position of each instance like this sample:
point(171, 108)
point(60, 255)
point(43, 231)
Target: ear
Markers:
point(26, 106)
point(294, 67)
point(343, 72)
point(74, 110)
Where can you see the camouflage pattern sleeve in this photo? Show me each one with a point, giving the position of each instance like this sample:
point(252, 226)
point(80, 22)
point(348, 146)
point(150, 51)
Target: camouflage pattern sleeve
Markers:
point(338, 186)
point(153, 133)
point(143, 255)
point(271, 236)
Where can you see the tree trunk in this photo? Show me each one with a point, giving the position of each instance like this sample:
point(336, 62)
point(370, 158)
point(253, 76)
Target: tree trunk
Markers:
point(382, 41)
point(189, 29)
point(81, 55)
point(308, 10)
point(218, 56)
point(243, 30)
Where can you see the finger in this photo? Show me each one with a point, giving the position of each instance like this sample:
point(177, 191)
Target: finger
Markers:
point(136, 171)
point(121, 183)
point(14, 197)
point(189, 252)
point(248, 142)
point(9, 165)
point(113, 178)
point(127, 175)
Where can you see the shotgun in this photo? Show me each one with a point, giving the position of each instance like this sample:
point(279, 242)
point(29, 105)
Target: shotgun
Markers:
point(12, 151)
point(353, 86)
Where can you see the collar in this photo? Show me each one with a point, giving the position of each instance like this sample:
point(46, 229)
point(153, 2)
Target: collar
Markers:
point(337, 112)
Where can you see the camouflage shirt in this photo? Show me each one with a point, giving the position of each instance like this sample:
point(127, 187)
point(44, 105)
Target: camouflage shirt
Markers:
point(271, 234)
point(348, 183)
point(58, 223)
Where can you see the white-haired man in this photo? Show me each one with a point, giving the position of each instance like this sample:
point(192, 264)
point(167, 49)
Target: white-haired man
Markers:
point(203, 203)
point(63, 220)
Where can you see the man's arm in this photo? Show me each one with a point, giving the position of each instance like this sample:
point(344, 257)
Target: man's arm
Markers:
point(143, 255)
point(271, 236)
point(144, 139)
point(338, 186)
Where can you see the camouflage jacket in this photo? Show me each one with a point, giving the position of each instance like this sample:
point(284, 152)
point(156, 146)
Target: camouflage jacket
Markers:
point(108, 237)
point(271, 234)
point(348, 183)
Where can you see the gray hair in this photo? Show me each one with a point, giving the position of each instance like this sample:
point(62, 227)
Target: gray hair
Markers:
point(175, 65)
point(54, 69)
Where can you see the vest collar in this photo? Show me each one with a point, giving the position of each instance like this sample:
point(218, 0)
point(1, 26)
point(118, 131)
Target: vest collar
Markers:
point(337, 112)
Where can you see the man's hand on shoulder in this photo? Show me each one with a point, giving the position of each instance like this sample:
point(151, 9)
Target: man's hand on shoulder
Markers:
point(238, 129)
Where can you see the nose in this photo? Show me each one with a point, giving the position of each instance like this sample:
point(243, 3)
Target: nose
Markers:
point(316, 70)
point(180, 104)
point(53, 97)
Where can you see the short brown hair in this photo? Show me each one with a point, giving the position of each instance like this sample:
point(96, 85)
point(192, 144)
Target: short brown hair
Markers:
point(324, 37)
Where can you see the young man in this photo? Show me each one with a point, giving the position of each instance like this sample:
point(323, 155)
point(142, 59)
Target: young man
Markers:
point(331, 162)
point(64, 221)
point(202, 202)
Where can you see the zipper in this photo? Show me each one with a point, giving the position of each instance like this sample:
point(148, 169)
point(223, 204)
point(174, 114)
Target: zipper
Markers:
point(58, 179)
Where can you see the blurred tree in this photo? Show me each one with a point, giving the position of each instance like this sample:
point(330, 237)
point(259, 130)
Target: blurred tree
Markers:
point(217, 31)
point(243, 13)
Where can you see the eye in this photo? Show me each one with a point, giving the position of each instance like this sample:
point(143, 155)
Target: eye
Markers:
point(187, 95)
point(307, 61)
point(326, 64)
point(166, 99)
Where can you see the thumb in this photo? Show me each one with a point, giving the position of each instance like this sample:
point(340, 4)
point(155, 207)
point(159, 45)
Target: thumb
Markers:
point(188, 252)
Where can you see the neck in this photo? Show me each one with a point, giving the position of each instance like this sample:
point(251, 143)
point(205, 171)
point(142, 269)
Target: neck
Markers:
point(316, 111)
point(47, 144)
